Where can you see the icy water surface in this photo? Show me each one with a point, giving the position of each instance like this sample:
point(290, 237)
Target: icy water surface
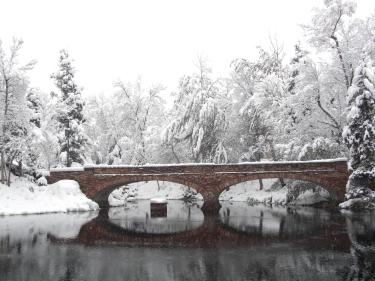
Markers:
point(179, 243)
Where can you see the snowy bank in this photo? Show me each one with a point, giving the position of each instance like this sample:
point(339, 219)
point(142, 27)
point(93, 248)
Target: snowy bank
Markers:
point(25, 197)
point(272, 193)
point(359, 194)
point(366, 201)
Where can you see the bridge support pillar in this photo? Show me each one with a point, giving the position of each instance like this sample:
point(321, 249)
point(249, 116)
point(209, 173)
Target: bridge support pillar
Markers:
point(211, 205)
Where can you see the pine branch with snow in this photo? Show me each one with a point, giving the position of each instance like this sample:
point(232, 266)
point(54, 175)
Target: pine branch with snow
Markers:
point(359, 134)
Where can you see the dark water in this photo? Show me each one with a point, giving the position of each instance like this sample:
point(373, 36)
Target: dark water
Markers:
point(243, 243)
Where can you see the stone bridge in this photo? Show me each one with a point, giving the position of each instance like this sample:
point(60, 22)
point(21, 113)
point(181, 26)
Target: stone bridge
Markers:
point(97, 182)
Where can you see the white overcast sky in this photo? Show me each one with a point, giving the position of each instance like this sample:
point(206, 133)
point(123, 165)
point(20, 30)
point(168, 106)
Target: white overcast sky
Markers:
point(157, 40)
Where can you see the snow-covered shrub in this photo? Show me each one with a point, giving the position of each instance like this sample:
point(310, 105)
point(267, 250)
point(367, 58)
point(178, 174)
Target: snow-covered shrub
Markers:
point(190, 195)
point(298, 189)
point(302, 192)
point(320, 148)
point(42, 181)
point(288, 151)
point(124, 194)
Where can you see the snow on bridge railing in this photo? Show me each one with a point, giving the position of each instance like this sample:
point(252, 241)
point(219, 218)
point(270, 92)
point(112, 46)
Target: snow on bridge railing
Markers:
point(68, 169)
point(80, 169)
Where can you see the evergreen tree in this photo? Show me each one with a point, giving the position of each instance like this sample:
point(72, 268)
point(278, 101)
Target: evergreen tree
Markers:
point(359, 134)
point(69, 114)
point(35, 105)
point(296, 61)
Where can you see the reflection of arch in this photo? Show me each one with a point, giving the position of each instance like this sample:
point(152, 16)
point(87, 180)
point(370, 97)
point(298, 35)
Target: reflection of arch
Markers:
point(211, 233)
point(138, 217)
point(114, 228)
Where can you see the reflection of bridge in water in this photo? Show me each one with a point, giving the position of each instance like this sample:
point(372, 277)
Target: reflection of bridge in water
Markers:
point(97, 182)
point(214, 232)
point(300, 256)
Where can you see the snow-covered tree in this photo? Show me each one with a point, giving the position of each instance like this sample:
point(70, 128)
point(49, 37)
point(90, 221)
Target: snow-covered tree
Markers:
point(14, 122)
point(199, 117)
point(35, 105)
point(322, 85)
point(44, 147)
point(262, 106)
point(141, 108)
point(359, 134)
point(327, 31)
point(124, 127)
point(69, 113)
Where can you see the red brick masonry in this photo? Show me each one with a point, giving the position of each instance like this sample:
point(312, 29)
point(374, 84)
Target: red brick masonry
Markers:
point(97, 182)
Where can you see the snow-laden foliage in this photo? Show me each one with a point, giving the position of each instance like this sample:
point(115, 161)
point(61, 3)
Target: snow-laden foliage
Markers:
point(44, 130)
point(14, 121)
point(199, 117)
point(320, 148)
point(328, 21)
point(124, 127)
point(359, 134)
point(69, 113)
point(261, 107)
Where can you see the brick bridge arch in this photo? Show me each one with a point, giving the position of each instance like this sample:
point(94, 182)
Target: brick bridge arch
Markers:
point(97, 182)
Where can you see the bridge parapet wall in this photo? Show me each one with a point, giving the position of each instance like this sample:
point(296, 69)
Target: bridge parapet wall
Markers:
point(339, 165)
point(208, 179)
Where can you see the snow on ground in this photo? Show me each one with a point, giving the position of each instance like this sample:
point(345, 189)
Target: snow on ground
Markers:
point(25, 197)
point(158, 200)
point(249, 192)
point(242, 192)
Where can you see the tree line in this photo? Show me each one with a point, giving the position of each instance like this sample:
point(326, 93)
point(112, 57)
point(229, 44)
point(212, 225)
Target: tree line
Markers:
point(267, 108)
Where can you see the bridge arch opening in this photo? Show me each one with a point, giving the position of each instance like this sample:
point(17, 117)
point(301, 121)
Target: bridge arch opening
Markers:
point(119, 194)
point(278, 191)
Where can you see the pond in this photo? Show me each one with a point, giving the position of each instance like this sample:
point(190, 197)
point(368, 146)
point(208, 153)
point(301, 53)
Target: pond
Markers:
point(242, 243)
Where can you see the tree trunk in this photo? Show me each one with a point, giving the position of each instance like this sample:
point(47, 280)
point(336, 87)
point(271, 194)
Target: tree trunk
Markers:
point(174, 154)
point(2, 163)
point(8, 179)
point(282, 182)
point(158, 185)
point(260, 184)
point(341, 58)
